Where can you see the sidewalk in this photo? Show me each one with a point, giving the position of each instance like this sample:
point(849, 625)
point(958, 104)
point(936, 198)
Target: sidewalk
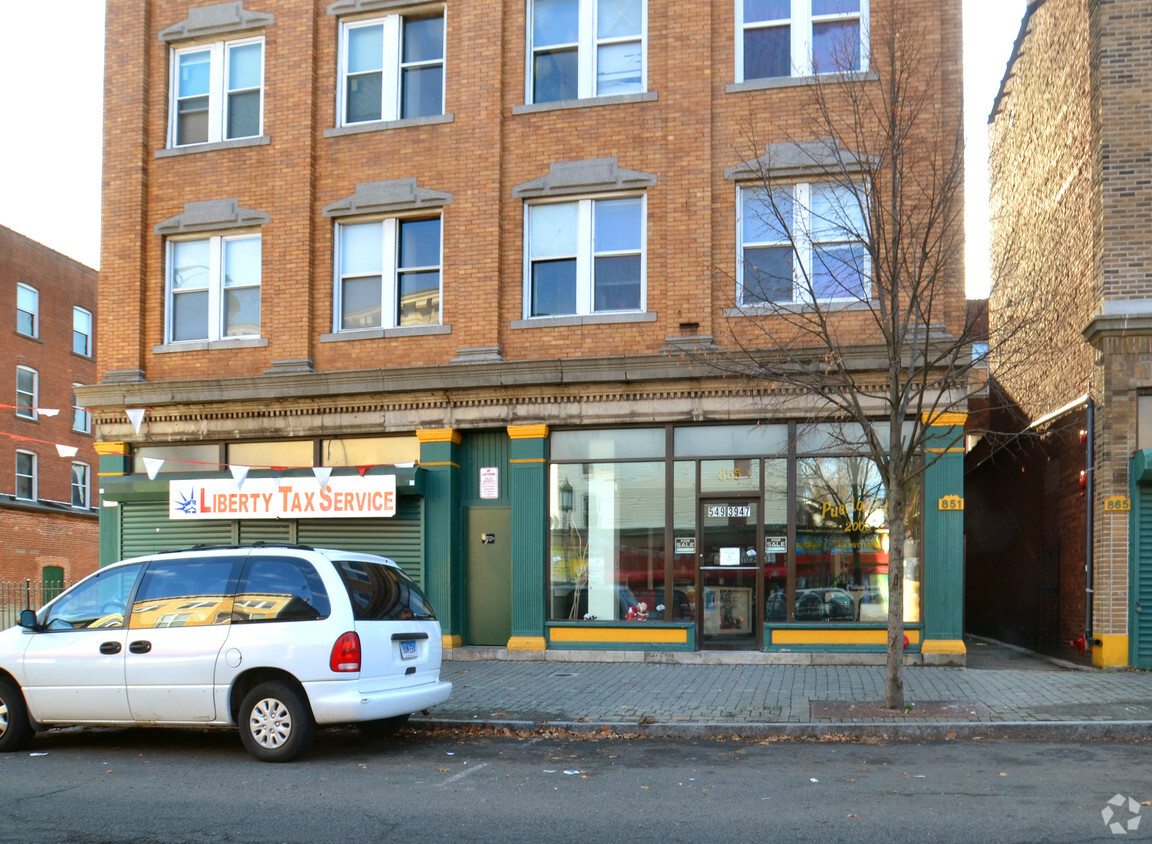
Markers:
point(1034, 698)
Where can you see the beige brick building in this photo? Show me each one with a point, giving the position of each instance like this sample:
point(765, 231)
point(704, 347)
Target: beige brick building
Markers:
point(482, 249)
point(1071, 204)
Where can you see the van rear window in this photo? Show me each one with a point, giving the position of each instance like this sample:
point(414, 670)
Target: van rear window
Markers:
point(382, 593)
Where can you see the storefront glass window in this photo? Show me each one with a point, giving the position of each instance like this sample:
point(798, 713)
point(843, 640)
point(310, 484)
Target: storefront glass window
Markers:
point(178, 458)
point(775, 540)
point(608, 444)
point(369, 451)
point(289, 454)
point(718, 440)
point(607, 541)
point(843, 543)
point(683, 606)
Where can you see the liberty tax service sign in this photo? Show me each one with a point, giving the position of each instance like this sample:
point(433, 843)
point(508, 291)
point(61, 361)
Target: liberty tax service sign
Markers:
point(343, 497)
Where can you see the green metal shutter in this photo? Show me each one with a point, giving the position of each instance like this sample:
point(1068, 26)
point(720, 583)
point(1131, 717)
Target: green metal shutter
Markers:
point(272, 530)
point(146, 529)
point(1142, 652)
point(400, 537)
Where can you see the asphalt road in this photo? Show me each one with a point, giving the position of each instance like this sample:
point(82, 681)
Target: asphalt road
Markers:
point(160, 786)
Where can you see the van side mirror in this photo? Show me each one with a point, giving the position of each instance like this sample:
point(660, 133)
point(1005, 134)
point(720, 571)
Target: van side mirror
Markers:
point(28, 619)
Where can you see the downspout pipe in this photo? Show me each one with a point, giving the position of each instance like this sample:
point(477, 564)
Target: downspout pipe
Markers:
point(1090, 489)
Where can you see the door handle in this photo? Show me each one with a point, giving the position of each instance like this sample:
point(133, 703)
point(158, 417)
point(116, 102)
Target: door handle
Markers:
point(1139, 608)
point(109, 648)
point(140, 647)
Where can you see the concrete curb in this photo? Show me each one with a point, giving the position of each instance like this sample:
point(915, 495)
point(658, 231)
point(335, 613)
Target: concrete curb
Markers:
point(923, 731)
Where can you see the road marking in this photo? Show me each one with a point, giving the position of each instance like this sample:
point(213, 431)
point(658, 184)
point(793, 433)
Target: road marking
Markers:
point(463, 774)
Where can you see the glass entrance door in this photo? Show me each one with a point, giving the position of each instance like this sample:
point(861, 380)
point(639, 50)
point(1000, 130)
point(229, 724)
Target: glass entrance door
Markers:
point(729, 567)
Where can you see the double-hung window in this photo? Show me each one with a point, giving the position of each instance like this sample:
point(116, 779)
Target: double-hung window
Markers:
point(802, 243)
point(586, 48)
point(27, 392)
point(585, 256)
point(82, 332)
point(217, 92)
point(27, 310)
point(81, 416)
point(779, 38)
point(213, 288)
point(80, 485)
point(391, 68)
point(26, 475)
point(388, 274)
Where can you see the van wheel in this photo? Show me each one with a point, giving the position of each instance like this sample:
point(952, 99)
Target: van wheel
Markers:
point(384, 727)
point(15, 729)
point(275, 723)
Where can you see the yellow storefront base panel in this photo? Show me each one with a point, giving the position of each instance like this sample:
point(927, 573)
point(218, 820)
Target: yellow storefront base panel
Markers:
point(1112, 650)
point(837, 637)
point(451, 641)
point(527, 643)
point(943, 646)
point(618, 635)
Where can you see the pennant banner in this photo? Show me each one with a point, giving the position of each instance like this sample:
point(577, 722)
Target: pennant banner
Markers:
point(322, 473)
point(152, 466)
point(239, 475)
point(66, 450)
point(135, 416)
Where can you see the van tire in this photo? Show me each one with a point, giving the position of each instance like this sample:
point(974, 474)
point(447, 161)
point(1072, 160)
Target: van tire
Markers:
point(15, 728)
point(275, 723)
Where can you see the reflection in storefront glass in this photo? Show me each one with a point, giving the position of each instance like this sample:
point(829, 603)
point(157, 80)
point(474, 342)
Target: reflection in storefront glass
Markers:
point(842, 543)
point(607, 543)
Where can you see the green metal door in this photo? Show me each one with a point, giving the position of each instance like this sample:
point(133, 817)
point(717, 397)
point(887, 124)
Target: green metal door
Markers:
point(51, 583)
point(1141, 580)
point(488, 575)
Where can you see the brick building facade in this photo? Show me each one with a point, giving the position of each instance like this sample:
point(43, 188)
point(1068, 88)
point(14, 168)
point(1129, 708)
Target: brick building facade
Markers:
point(1070, 177)
point(48, 522)
point(481, 249)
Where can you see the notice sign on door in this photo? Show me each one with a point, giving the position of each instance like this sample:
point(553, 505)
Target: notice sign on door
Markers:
point(489, 482)
point(344, 497)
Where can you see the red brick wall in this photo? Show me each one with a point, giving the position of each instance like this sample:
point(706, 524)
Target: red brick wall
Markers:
point(33, 539)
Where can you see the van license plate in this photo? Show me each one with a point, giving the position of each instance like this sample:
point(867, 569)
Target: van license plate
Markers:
point(407, 649)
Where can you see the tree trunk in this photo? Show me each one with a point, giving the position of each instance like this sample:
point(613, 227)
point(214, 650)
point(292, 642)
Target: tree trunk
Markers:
point(893, 681)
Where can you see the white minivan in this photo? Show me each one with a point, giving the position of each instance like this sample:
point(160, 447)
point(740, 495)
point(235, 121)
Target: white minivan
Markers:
point(274, 639)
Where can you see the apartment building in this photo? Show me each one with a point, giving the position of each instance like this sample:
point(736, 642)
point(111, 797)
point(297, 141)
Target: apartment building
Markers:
point(48, 514)
point(445, 281)
point(1070, 176)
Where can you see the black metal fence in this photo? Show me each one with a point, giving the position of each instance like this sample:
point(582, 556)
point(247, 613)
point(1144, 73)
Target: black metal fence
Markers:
point(17, 595)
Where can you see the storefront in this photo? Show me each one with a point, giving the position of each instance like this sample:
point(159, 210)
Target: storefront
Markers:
point(769, 537)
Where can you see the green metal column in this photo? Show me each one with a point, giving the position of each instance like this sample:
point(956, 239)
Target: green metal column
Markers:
point(943, 550)
point(529, 471)
point(115, 465)
point(443, 581)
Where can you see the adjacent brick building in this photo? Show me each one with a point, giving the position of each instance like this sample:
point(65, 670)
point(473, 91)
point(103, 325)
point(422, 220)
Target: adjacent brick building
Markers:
point(1071, 184)
point(479, 251)
point(48, 518)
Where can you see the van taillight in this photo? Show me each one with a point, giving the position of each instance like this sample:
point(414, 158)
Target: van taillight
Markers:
point(346, 653)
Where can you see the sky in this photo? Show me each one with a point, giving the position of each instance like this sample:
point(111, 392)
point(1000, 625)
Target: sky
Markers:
point(51, 146)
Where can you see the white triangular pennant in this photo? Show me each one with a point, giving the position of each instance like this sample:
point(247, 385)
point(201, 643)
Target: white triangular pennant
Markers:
point(322, 473)
point(66, 450)
point(48, 411)
point(239, 475)
point(135, 416)
point(152, 465)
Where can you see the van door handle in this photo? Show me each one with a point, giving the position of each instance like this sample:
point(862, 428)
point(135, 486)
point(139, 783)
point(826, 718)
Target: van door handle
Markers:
point(140, 647)
point(109, 648)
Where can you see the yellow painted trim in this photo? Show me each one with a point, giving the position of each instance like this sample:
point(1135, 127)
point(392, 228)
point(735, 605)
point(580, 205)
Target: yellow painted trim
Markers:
point(111, 474)
point(442, 463)
point(944, 418)
point(527, 643)
point(943, 450)
point(943, 646)
point(629, 635)
point(528, 460)
point(793, 636)
point(111, 448)
point(440, 435)
point(527, 432)
point(453, 640)
point(1112, 650)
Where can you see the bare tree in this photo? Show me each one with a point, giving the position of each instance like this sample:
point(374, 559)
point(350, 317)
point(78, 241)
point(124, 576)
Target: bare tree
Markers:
point(851, 280)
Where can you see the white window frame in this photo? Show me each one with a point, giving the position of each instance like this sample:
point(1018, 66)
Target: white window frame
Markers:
point(586, 254)
point(216, 288)
point(391, 70)
point(82, 313)
point(802, 247)
point(81, 416)
point(218, 91)
point(33, 395)
point(83, 488)
point(34, 313)
point(30, 476)
point(389, 274)
point(587, 51)
point(801, 21)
